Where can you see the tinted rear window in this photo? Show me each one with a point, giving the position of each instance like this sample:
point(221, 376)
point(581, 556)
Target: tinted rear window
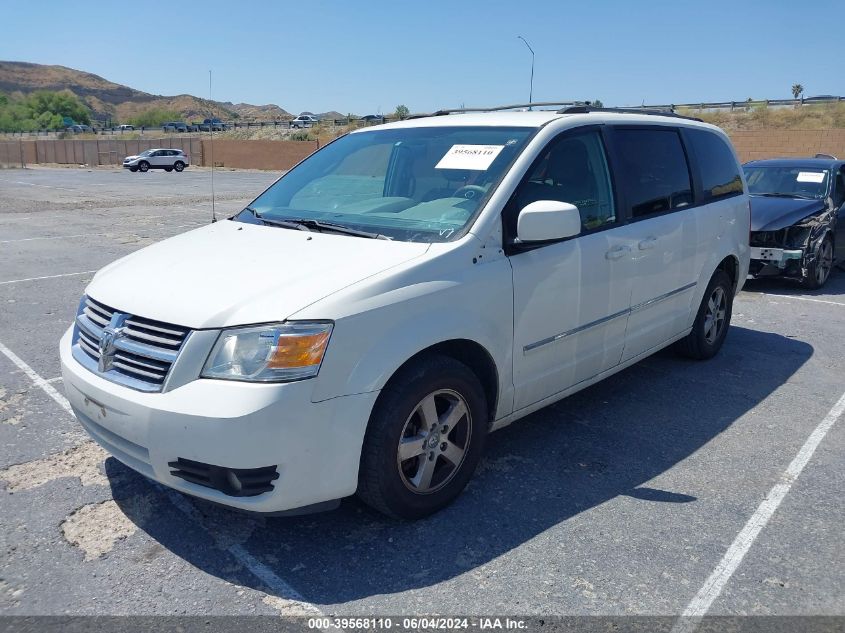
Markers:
point(654, 173)
point(719, 171)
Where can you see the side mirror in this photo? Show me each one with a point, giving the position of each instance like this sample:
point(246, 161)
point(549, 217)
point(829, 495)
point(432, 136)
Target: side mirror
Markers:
point(545, 220)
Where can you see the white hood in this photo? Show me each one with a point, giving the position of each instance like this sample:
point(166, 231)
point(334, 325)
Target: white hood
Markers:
point(231, 273)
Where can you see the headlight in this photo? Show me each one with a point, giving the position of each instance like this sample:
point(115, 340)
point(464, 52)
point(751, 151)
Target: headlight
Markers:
point(269, 353)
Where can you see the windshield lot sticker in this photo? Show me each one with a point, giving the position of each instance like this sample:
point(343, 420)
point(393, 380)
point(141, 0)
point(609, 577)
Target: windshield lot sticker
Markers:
point(474, 157)
point(810, 176)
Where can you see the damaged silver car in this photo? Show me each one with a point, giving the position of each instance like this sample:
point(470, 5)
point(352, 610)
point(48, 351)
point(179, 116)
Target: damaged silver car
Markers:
point(796, 226)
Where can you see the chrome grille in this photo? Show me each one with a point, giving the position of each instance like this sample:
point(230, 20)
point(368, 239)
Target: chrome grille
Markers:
point(127, 349)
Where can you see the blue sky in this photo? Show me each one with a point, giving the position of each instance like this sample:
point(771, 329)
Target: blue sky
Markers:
point(364, 56)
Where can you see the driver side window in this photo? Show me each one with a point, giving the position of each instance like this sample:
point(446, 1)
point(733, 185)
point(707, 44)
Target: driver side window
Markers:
point(572, 168)
point(839, 189)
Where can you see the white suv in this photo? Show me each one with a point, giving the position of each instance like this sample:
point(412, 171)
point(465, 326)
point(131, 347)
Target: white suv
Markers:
point(304, 120)
point(366, 321)
point(166, 159)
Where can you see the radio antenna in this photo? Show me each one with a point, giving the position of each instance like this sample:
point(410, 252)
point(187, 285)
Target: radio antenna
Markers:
point(211, 144)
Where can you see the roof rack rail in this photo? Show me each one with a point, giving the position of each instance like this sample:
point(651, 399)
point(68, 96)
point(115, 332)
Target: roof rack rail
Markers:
point(543, 104)
point(584, 109)
point(830, 156)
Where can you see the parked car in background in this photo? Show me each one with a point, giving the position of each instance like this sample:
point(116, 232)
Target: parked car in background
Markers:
point(797, 228)
point(80, 129)
point(125, 128)
point(367, 320)
point(304, 120)
point(174, 126)
point(166, 159)
point(372, 118)
point(211, 125)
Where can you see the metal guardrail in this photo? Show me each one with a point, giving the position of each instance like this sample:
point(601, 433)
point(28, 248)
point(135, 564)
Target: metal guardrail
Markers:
point(236, 124)
point(749, 103)
point(227, 125)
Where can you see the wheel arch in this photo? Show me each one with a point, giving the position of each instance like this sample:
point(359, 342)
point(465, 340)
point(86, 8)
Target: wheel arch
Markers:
point(730, 265)
point(473, 355)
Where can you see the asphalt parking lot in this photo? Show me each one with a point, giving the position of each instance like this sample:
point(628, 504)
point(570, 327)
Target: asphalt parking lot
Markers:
point(624, 499)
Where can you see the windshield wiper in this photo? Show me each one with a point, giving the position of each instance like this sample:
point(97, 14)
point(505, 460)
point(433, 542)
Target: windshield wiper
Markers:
point(286, 224)
point(785, 195)
point(303, 224)
point(337, 228)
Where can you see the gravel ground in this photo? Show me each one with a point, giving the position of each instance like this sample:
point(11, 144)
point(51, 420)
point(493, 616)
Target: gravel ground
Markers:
point(620, 500)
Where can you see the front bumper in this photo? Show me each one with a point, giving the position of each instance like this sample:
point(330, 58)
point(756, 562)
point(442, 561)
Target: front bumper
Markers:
point(315, 446)
point(771, 262)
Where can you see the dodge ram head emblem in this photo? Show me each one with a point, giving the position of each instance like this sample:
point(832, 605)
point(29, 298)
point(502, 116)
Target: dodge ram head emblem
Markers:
point(107, 348)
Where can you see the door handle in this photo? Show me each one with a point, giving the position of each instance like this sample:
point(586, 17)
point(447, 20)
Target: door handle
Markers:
point(617, 251)
point(647, 243)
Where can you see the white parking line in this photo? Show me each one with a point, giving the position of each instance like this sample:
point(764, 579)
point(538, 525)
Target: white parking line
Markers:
point(703, 600)
point(836, 303)
point(37, 380)
point(273, 582)
point(262, 572)
point(34, 184)
point(18, 281)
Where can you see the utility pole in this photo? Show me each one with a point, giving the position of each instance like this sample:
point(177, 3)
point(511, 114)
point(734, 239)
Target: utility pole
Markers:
point(531, 91)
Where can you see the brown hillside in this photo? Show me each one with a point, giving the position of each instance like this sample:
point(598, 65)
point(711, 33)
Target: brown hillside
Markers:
point(109, 100)
point(248, 112)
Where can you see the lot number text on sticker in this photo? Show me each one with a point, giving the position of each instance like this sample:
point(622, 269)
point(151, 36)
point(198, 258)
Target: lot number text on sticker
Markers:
point(474, 157)
point(810, 176)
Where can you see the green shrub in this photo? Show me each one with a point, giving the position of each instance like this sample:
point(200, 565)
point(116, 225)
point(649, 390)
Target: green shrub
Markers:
point(40, 110)
point(154, 117)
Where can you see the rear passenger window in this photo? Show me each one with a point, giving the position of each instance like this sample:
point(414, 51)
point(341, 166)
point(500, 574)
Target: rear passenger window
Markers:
point(654, 171)
point(719, 172)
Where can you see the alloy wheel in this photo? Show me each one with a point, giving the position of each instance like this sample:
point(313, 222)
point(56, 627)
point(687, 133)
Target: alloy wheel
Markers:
point(434, 441)
point(714, 318)
point(824, 262)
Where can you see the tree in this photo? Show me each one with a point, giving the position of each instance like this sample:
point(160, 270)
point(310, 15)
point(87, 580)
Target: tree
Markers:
point(597, 103)
point(40, 110)
point(797, 89)
point(402, 111)
point(65, 104)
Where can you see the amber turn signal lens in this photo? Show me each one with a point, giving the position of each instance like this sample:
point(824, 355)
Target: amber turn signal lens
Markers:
point(298, 350)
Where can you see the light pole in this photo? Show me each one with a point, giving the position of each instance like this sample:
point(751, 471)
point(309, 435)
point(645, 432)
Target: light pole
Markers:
point(531, 91)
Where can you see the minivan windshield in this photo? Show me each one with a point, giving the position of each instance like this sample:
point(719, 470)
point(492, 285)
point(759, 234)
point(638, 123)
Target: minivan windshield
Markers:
point(786, 180)
point(420, 184)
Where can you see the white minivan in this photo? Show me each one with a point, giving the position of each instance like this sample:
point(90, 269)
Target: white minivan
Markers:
point(368, 319)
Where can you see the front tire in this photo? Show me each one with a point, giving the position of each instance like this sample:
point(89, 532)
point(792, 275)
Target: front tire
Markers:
point(424, 439)
point(712, 320)
point(179, 165)
point(143, 166)
point(819, 271)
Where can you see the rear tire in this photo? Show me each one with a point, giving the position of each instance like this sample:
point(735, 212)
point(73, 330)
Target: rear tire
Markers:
point(712, 321)
point(143, 166)
point(424, 439)
point(819, 271)
point(179, 165)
